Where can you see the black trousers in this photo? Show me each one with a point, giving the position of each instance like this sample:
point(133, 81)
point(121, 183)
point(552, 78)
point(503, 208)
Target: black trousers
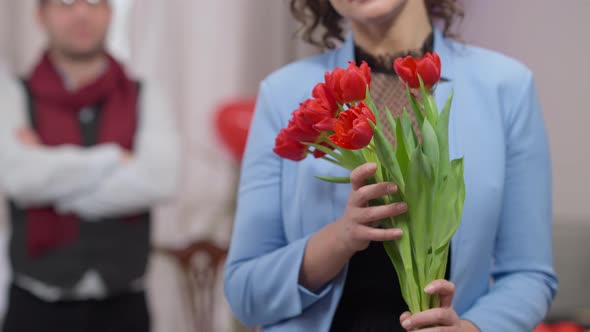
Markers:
point(122, 313)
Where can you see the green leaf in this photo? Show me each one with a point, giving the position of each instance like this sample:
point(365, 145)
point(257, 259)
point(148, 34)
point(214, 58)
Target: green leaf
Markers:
point(449, 204)
point(402, 153)
point(430, 262)
point(429, 105)
point(333, 161)
point(430, 144)
point(410, 143)
point(390, 119)
point(439, 267)
point(394, 255)
point(442, 132)
point(371, 156)
point(351, 158)
point(419, 197)
point(392, 123)
point(457, 165)
point(415, 107)
point(444, 212)
point(325, 150)
point(408, 130)
point(334, 179)
point(434, 115)
point(371, 105)
point(393, 251)
point(400, 253)
point(387, 156)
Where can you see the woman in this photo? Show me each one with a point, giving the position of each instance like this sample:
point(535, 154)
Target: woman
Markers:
point(304, 256)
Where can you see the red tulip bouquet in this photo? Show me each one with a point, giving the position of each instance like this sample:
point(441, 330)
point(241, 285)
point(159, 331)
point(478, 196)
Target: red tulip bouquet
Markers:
point(340, 124)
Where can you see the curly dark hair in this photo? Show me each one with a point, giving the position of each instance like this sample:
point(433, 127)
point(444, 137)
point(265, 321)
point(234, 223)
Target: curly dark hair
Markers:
point(313, 14)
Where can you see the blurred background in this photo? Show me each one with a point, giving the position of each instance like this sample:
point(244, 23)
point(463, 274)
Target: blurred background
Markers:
point(206, 54)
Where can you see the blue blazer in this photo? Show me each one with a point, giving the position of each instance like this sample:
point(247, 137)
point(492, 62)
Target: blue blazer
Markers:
point(502, 256)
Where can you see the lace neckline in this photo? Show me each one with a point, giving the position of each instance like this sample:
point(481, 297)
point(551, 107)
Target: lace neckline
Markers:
point(383, 63)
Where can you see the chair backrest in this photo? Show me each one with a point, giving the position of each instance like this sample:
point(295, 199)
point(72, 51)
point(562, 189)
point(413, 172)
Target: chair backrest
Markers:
point(200, 264)
point(571, 247)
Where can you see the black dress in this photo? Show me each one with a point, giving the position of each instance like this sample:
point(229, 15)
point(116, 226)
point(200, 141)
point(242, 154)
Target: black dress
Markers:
point(371, 300)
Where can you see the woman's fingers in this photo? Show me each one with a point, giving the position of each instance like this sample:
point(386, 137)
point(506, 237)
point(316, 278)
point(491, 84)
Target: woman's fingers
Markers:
point(438, 316)
point(404, 316)
point(359, 217)
point(445, 289)
point(440, 329)
point(359, 175)
point(366, 233)
point(375, 213)
point(445, 316)
point(363, 195)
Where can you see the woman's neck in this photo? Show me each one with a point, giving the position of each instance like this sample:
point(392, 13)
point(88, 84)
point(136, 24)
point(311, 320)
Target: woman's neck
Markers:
point(404, 31)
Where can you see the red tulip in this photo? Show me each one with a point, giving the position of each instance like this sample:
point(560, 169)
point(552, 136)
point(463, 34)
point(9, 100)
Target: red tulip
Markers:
point(325, 98)
point(352, 129)
point(289, 148)
point(310, 120)
point(300, 128)
point(232, 122)
point(428, 67)
point(349, 85)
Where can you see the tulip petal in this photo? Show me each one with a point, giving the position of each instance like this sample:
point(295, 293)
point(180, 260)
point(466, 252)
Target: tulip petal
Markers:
point(406, 70)
point(352, 129)
point(289, 148)
point(429, 72)
point(354, 87)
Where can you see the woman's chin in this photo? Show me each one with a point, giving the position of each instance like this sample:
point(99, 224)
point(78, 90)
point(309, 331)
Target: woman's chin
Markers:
point(367, 11)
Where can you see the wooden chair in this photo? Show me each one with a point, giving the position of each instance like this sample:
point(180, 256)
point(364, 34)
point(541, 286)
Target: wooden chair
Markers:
point(200, 264)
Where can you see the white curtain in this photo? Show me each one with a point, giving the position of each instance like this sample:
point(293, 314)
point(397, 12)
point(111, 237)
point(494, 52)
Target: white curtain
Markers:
point(204, 52)
point(19, 42)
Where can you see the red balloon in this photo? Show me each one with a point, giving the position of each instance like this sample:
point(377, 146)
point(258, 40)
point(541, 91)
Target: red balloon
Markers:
point(559, 327)
point(232, 122)
point(567, 327)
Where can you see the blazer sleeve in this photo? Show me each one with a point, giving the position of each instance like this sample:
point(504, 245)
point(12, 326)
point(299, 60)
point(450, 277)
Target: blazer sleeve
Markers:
point(524, 282)
point(262, 271)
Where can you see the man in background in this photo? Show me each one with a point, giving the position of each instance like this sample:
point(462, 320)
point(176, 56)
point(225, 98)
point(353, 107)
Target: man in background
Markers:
point(85, 153)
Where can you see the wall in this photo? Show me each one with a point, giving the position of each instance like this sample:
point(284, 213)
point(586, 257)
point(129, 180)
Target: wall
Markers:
point(551, 37)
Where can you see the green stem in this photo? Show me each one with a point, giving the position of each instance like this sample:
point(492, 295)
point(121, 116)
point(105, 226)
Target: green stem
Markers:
point(333, 161)
point(325, 150)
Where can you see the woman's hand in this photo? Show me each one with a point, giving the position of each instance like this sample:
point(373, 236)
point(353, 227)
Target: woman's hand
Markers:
point(445, 318)
point(358, 221)
point(328, 250)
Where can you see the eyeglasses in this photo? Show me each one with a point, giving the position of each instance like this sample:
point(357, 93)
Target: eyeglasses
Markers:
point(71, 3)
